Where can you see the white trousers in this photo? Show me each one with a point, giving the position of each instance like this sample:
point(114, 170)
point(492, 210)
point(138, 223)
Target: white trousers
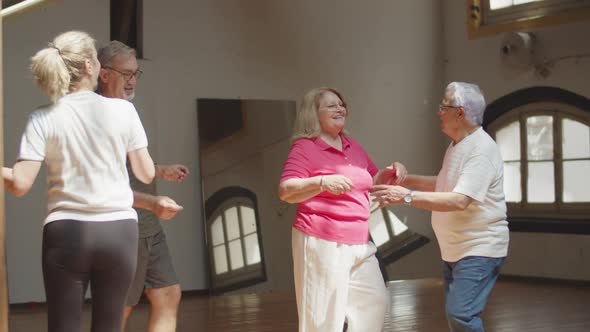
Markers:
point(335, 282)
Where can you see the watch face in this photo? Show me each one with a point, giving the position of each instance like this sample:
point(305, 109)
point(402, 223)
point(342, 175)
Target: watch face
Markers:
point(408, 198)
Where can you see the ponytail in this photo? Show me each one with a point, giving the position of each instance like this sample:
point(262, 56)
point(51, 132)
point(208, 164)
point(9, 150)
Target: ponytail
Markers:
point(61, 66)
point(50, 73)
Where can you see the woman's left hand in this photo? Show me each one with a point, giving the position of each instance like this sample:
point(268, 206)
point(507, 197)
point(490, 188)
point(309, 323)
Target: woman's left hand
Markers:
point(398, 173)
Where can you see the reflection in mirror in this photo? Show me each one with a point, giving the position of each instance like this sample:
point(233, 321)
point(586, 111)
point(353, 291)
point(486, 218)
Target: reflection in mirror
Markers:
point(242, 146)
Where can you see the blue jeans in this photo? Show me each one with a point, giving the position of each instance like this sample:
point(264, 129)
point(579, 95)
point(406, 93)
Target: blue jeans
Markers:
point(468, 284)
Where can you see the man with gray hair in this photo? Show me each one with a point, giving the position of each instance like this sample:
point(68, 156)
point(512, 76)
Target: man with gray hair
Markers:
point(468, 206)
point(155, 272)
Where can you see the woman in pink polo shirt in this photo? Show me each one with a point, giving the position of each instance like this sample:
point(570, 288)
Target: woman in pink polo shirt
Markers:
point(329, 175)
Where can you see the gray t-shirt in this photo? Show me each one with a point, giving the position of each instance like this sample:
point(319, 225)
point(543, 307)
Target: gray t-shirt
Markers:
point(149, 224)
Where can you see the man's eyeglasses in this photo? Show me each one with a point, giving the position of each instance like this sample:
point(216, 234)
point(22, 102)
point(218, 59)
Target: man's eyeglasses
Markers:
point(126, 75)
point(444, 108)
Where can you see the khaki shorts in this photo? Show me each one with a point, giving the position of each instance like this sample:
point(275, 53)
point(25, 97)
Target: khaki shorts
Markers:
point(154, 267)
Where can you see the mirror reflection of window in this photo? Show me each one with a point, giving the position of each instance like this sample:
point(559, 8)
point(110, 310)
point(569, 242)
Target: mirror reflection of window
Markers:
point(391, 235)
point(234, 238)
point(242, 146)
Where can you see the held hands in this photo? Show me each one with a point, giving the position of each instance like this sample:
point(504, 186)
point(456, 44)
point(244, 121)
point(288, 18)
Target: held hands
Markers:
point(165, 207)
point(336, 184)
point(395, 173)
point(388, 194)
point(173, 173)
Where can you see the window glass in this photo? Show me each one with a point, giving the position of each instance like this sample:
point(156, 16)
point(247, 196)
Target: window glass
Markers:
point(248, 219)
point(508, 139)
point(541, 182)
point(236, 256)
point(575, 139)
point(378, 228)
point(539, 131)
point(576, 181)
point(499, 4)
point(397, 225)
point(252, 249)
point(512, 186)
point(220, 258)
point(217, 231)
point(231, 223)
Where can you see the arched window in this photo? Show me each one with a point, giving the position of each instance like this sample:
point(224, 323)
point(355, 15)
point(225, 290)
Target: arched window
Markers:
point(233, 239)
point(544, 138)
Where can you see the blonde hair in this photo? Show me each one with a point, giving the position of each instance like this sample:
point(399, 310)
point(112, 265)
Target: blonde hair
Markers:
point(61, 65)
point(307, 124)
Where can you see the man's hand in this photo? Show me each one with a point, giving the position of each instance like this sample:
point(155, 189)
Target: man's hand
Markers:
point(165, 207)
point(388, 195)
point(173, 173)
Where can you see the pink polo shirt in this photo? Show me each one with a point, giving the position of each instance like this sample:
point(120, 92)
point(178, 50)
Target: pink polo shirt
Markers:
point(339, 218)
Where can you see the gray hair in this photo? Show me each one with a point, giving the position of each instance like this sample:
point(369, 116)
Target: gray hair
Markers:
point(112, 49)
point(61, 65)
point(470, 97)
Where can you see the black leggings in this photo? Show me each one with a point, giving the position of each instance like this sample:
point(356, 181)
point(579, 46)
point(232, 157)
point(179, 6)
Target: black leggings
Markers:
point(78, 252)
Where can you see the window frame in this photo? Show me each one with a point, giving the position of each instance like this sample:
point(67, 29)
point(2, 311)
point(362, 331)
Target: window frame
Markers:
point(558, 217)
point(522, 17)
point(247, 275)
point(10, 8)
point(126, 23)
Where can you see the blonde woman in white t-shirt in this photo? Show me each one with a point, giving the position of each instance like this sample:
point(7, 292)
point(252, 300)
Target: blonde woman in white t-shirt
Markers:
point(468, 207)
point(90, 233)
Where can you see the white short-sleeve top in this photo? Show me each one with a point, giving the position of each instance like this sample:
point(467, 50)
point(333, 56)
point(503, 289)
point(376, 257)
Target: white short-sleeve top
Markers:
point(84, 139)
point(473, 167)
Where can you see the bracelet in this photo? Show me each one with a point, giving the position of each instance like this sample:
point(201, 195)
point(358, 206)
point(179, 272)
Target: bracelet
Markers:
point(321, 183)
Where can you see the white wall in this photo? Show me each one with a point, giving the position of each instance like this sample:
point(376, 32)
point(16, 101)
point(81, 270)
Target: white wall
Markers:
point(386, 57)
point(530, 254)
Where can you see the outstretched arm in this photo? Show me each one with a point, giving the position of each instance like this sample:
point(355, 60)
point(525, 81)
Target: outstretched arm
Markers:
point(20, 178)
point(433, 201)
point(420, 182)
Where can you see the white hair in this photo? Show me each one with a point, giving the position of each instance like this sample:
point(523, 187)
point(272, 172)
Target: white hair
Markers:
point(470, 97)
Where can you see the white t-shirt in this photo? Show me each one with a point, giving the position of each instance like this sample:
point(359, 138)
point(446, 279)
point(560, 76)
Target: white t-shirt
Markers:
point(84, 139)
point(473, 167)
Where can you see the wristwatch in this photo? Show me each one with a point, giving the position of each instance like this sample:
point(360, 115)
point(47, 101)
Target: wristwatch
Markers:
point(408, 198)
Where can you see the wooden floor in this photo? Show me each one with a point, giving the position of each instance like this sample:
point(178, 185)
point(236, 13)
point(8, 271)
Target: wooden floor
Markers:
point(417, 305)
